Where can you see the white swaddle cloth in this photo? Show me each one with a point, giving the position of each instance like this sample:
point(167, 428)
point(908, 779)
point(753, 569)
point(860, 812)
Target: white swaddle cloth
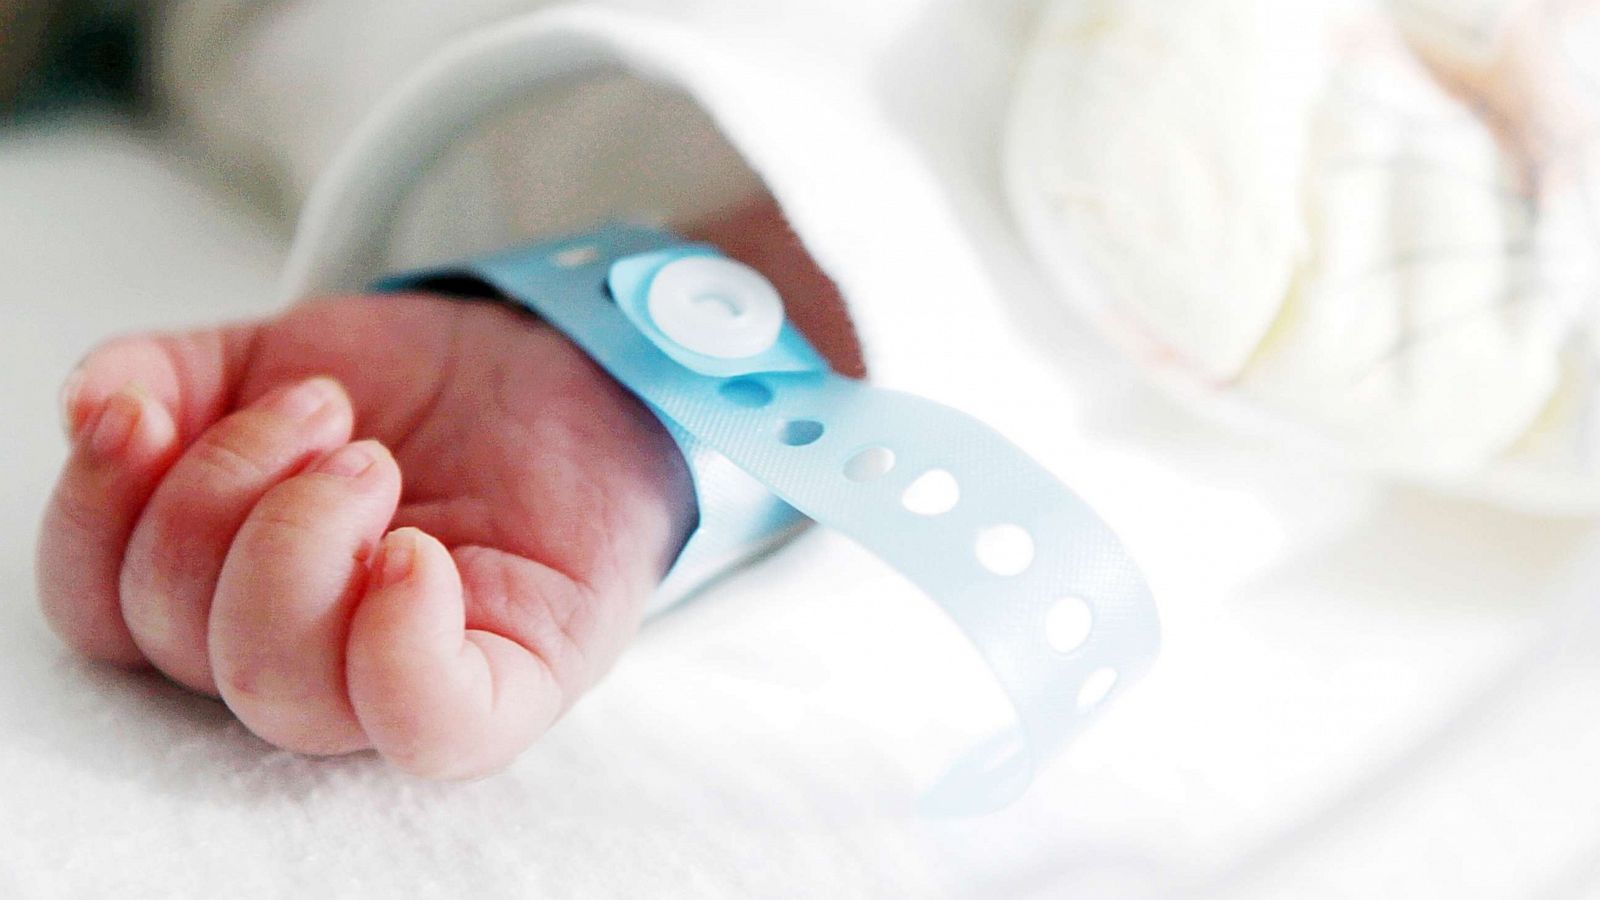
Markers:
point(1377, 224)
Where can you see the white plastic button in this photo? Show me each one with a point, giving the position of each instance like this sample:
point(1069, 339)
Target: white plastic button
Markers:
point(715, 307)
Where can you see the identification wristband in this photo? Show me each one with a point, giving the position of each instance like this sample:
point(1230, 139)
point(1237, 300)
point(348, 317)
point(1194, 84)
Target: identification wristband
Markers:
point(1032, 577)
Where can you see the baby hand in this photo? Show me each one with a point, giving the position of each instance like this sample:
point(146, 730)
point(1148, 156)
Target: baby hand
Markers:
point(440, 589)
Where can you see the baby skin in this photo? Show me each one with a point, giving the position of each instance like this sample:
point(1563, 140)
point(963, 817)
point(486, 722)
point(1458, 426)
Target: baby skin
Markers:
point(413, 524)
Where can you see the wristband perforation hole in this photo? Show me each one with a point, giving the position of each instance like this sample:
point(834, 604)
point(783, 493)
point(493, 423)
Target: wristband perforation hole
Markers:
point(1004, 549)
point(1068, 623)
point(800, 432)
point(1096, 687)
point(869, 463)
point(746, 392)
point(932, 493)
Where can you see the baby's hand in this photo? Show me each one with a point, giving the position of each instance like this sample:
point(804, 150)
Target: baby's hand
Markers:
point(216, 520)
point(441, 589)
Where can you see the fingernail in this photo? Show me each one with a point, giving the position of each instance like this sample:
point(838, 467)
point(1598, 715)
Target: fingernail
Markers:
point(349, 461)
point(118, 419)
point(70, 389)
point(399, 555)
point(302, 400)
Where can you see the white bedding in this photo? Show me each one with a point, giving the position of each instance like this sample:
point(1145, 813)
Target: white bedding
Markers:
point(1310, 731)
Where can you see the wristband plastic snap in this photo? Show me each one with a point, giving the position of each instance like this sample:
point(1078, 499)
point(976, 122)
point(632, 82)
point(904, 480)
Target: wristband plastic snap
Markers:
point(715, 306)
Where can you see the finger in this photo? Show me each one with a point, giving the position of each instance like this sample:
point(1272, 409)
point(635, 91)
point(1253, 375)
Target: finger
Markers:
point(193, 375)
point(118, 454)
point(437, 698)
point(282, 608)
point(177, 549)
point(125, 409)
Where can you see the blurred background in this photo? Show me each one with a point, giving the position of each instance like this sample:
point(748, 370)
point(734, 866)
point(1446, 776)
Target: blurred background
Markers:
point(1375, 566)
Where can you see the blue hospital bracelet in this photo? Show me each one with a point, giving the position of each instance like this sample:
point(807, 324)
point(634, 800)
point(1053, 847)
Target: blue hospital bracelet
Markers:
point(1034, 579)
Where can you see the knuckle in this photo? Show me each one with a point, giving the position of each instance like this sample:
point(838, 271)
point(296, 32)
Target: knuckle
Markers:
point(278, 704)
point(78, 515)
point(229, 454)
point(250, 684)
point(411, 748)
point(280, 513)
point(259, 683)
point(298, 514)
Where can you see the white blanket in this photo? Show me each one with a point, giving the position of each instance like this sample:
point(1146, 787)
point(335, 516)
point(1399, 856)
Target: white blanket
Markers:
point(1303, 734)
